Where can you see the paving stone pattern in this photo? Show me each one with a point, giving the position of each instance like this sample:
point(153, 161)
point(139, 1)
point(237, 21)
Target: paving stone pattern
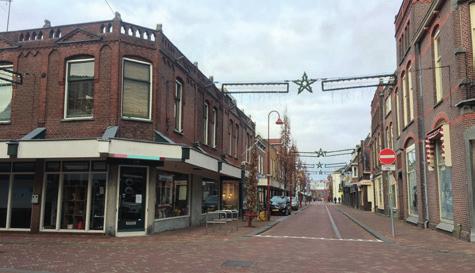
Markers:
point(191, 250)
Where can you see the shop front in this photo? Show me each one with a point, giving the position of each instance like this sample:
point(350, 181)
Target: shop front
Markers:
point(115, 187)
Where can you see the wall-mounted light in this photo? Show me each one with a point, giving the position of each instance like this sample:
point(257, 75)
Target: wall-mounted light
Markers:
point(12, 149)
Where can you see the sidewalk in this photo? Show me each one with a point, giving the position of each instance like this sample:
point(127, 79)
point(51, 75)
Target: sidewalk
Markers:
point(408, 235)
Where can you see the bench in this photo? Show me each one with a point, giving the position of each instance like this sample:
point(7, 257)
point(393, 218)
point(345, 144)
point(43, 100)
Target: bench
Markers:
point(222, 217)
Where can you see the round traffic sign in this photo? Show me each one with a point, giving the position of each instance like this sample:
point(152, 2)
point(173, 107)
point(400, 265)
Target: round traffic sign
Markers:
point(387, 156)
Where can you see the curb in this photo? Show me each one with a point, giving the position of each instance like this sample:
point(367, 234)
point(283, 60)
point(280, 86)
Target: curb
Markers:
point(373, 232)
point(272, 224)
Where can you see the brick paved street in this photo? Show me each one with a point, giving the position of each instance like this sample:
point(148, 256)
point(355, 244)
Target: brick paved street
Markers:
point(304, 242)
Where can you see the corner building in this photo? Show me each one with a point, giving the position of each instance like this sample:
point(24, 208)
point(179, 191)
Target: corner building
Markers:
point(114, 131)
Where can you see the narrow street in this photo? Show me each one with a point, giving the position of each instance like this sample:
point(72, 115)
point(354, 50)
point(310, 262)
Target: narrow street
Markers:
point(304, 242)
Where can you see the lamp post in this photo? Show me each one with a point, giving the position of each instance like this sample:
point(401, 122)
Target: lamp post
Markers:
point(278, 122)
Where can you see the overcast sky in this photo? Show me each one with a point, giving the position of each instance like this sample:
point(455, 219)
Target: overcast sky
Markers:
point(267, 40)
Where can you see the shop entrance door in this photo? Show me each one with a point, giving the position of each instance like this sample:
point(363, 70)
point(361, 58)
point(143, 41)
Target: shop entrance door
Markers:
point(132, 199)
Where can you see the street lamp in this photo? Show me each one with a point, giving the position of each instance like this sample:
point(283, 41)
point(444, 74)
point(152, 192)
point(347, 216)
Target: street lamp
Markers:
point(278, 122)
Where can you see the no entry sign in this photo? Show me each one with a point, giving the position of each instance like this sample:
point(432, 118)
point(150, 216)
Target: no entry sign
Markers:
point(387, 156)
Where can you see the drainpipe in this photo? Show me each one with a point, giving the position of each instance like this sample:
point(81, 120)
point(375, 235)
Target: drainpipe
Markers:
point(421, 135)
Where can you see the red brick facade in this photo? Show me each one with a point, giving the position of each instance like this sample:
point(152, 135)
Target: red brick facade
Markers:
point(39, 101)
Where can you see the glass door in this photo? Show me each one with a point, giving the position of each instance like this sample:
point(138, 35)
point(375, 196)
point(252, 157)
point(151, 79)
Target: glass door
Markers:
point(132, 186)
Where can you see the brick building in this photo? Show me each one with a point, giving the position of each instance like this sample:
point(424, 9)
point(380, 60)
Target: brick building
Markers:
point(429, 115)
point(113, 130)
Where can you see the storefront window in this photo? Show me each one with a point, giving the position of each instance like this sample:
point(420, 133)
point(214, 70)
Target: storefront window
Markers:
point(16, 189)
point(411, 180)
point(445, 186)
point(210, 198)
point(73, 214)
point(98, 198)
point(51, 201)
point(4, 185)
point(74, 195)
point(172, 196)
point(230, 195)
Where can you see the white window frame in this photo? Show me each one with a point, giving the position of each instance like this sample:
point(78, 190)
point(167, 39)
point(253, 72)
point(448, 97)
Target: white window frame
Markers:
point(205, 123)
point(404, 100)
point(439, 163)
point(178, 113)
point(11, 176)
point(60, 200)
point(7, 66)
point(437, 68)
point(410, 94)
point(66, 91)
point(398, 113)
point(150, 91)
point(388, 106)
point(214, 129)
point(410, 149)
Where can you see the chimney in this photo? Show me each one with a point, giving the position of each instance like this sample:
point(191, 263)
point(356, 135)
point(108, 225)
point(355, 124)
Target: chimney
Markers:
point(159, 28)
point(47, 23)
point(196, 64)
point(117, 16)
point(211, 79)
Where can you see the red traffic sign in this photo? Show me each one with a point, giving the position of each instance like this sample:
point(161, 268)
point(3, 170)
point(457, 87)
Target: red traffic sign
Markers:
point(387, 156)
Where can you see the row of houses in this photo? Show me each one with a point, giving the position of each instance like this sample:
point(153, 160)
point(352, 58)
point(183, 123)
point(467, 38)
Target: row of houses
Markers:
point(113, 130)
point(428, 118)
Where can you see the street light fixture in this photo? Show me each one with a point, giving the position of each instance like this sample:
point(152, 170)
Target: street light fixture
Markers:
point(278, 122)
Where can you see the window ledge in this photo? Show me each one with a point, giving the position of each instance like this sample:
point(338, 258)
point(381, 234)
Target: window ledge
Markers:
point(408, 125)
point(180, 132)
point(77, 119)
point(445, 226)
point(438, 103)
point(171, 218)
point(413, 219)
point(5, 122)
point(137, 119)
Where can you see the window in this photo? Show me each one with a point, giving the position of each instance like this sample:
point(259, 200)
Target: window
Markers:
point(472, 26)
point(214, 129)
point(79, 98)
point(16, 189)
point(74, 196)
point(388, 105)
point(398, 115)
point(444, 180)
point(354, 171)
point(391, 136)
point(178, 106)
point(411, 179)
point(172, 196)
point(210, 198)
point(230, 136)
point(137, 90)
point(410, 92)
point(205, 123)
point(437, 67)
point(230, 195)
point(236, 141)
point(404, 99)
point(6, 93)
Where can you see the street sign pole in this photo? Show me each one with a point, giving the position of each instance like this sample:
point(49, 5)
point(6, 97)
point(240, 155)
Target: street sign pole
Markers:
point(390, 192)
point(387, 157)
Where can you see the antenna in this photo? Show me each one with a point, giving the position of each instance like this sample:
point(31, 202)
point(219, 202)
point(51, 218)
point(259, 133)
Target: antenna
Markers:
point(8, 16)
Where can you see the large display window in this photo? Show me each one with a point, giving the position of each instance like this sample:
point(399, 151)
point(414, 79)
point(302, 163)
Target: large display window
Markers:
point(230, 195)
point(16, 189)
point(210, 196)
point(172, 191)
point(74, 196)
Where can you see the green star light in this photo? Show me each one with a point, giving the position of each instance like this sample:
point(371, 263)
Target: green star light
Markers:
point(305, 83)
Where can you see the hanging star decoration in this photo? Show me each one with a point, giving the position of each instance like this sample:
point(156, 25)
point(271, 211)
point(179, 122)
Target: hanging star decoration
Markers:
point(305, 83)
point(321, 153)
point(319, 165)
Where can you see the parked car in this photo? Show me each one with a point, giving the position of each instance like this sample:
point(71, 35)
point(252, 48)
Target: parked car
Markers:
point(281, 205)
point(295, 203)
